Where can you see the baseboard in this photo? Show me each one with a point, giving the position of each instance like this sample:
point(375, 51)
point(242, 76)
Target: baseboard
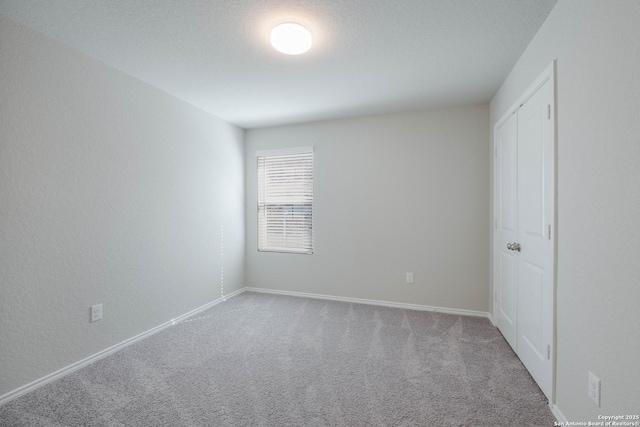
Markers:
point(559, 415)
point(374, 302)
point(86, 361)
point(99, 355)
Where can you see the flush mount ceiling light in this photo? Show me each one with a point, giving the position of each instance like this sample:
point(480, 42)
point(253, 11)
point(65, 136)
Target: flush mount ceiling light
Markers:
point(290, 38)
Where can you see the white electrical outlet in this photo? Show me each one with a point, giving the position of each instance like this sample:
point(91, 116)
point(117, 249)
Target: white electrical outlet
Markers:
point(96, 312)
point(594, 388)
point(409, 278)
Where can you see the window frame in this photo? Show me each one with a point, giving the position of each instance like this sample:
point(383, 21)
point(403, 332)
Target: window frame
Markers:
point(302, 249)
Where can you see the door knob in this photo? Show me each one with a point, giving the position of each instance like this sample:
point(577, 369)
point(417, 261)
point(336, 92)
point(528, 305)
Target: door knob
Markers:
point(513, 246)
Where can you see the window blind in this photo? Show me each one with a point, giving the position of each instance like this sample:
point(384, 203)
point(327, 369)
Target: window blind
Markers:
point(285, 200)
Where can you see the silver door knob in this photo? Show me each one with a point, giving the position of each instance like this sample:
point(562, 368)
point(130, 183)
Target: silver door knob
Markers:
point(513, 246)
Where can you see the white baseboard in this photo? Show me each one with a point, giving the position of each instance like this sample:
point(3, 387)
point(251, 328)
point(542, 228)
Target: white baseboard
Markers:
point(99, 355)
point(86, 361)
point(559, 415)
point(375, 302)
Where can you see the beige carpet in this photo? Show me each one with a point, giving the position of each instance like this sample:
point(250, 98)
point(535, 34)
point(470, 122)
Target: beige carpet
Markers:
point(267, 360)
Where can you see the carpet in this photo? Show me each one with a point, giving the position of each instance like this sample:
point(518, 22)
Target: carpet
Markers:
point(271, 360)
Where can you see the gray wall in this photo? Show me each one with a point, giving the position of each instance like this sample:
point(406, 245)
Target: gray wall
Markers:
point(110, 192)
point(393, 193)
point(596, 44)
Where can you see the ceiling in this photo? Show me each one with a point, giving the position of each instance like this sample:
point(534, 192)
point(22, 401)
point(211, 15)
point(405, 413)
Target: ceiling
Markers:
point(369, 56)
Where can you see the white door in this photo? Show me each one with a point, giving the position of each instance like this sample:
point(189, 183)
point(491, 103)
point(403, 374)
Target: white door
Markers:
point(536, 170)
point(506, 214)
point(524, 245)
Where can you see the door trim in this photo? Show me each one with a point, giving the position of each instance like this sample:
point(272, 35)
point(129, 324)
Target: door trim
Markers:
point(549, 73)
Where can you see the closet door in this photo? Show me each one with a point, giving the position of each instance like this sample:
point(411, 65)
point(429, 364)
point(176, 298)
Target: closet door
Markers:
point(536, 170)
point(506, 194)
point(525, 217)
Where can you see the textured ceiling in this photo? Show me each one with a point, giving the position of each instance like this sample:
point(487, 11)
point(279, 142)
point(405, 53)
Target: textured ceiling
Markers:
point(369, 56)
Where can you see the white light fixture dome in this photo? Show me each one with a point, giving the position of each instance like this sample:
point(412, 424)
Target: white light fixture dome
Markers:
point(290, 38)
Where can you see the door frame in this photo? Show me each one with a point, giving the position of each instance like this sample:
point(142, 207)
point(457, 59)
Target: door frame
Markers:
point(549, 74)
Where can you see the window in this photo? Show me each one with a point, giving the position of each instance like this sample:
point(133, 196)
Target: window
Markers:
point(285, 200)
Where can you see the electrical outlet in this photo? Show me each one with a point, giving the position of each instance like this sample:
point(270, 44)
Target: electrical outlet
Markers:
point(409, 278)
point(594, 388)
point(96, 312)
